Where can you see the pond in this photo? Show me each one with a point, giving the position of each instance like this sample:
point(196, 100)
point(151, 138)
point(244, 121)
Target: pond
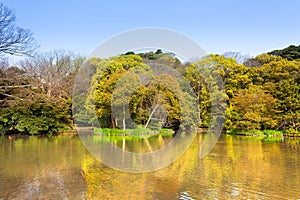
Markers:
point(59, 167)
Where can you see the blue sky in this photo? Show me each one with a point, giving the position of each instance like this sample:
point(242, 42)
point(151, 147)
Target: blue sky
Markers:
point(249, 27)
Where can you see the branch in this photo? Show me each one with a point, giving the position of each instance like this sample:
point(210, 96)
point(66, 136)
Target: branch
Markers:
point(14, 86)
point(8, 95)
point(150, 116)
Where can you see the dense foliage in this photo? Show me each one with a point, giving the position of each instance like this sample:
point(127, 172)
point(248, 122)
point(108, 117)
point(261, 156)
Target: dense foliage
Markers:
point(264, 96)
point(291, 53)
point(36, 98)
point(261, 94)
point(125, 93)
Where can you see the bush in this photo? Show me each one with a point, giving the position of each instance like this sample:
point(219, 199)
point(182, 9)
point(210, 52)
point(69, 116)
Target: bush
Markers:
point(34, 117)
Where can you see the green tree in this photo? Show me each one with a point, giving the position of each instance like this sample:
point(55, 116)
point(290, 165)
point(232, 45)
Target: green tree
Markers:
point(158, 103)
point(24, 109)
point(38, 116)
point(206, 80)
point(253, 109)
point(109, 75)
point(288, 94)
point(35, 101)
point(121, 96)
point(292, 52)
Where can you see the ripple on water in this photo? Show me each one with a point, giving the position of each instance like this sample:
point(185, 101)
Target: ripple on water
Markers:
point(52, 184)
point(185, 196)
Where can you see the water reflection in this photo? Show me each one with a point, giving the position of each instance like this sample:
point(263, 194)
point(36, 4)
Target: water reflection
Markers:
point(137, 144)
point(41, 167)
point(237, 168)
point(145, 154)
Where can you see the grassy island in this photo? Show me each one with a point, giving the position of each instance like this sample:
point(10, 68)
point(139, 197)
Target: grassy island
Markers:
point(132, 132)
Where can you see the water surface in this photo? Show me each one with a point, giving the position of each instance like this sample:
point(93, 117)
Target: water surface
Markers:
point(59, 167)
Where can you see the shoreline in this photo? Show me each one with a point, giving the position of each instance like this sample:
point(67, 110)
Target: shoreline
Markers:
point(155, 132)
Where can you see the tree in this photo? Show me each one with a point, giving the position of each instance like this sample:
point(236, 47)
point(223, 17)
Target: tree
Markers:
point(205, 77)
point(109, 72)
point(292, 52)
point(158, 51)
point(157, 104)
point(13, 85)
point(25, 109)
point(121, 96)
point(13, 39)
point(53, 72)
point(126, 92)
point(38, 115)
point(36, 99)
point(288, 95)
point(263, 94)
point(194, 74)
point(252, 109)
point(84, 87)
point(240, 58)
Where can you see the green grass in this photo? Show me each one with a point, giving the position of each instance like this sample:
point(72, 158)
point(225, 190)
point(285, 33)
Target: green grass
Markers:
point(273, 133)
point(272, 139)
point(233, 131)
point(131, 132)
point(267, 133)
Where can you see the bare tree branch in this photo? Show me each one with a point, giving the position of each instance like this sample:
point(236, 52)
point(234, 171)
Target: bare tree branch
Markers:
point(13, 39)
point(9, 95)
point(53, 72)
point(14, 86)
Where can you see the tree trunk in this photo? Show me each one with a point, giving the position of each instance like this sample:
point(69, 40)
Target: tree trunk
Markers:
point(124, 117)
point(199, 117)
point(199, 112)
point(113, 125)
point(116, 121)
point(150, 116)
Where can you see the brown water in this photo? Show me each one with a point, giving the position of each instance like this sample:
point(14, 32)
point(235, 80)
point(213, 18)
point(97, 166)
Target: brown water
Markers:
point(59, 167)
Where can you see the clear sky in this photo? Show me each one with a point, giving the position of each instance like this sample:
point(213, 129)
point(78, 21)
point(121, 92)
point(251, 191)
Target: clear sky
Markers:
point(249, 27)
